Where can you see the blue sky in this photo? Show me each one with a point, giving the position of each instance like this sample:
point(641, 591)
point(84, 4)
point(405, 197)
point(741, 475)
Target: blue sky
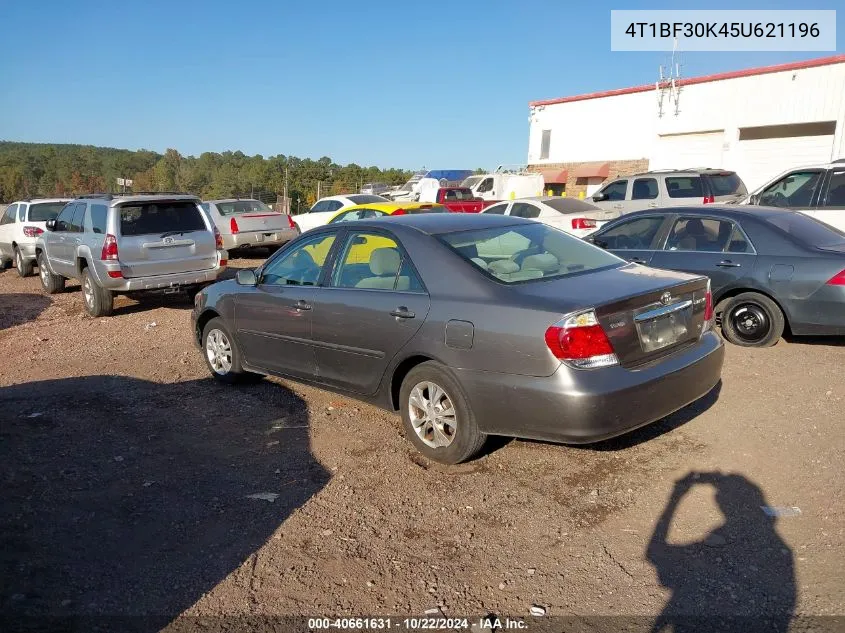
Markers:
point(376, 82)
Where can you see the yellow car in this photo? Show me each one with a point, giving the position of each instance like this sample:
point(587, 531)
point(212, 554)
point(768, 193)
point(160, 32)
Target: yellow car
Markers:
point(376, 209)
point(360, 253)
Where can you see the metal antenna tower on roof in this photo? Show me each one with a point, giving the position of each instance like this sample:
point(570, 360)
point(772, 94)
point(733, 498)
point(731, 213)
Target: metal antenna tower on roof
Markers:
point(669, 82)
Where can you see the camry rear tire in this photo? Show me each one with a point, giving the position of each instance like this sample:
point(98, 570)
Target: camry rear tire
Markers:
point(49, 282)
point(222, 354)
point(436, 415)
point(752, 319)
point(24, 266)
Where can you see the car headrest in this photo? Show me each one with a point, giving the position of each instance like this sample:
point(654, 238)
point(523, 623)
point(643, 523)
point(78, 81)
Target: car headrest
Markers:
point(385, 261)
point(503, 266)
point(542, 261)
point(694, 227)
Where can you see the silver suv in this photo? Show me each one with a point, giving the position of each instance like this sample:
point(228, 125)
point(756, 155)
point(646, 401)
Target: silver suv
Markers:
point(115, 243)
point(671, 187)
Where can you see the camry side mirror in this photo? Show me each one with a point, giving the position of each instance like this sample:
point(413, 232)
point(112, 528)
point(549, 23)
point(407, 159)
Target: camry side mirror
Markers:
point(600, 197)
point(51, 225)
point(246, 278)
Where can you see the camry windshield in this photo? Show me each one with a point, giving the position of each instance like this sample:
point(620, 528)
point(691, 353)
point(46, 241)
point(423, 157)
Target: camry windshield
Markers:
point(242, 206)
point(524, 252)
point(43, 211)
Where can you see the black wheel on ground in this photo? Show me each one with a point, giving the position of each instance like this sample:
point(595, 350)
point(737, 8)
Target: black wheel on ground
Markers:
point(5, 264)
point(222, 354)
point(98, 301)
point(24, 266)
point(436, 415)
point(751, 319)
point(49, 282)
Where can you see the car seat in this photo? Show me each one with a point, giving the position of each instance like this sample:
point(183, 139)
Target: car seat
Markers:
point(693, 237)
point(384, 265)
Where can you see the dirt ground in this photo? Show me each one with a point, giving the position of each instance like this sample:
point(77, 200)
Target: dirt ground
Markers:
point(127, 474)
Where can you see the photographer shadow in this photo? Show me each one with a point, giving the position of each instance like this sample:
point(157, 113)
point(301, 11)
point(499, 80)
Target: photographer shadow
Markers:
point(739, 577)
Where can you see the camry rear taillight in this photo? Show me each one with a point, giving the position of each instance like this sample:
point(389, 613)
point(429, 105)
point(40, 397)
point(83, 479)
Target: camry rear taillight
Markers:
point(233, 226)
point(837, 280)
point(218, 239)
point(583, 223)
point(399, 212)
point(708, 308)
point(291, 223)
point(109, 253)
point(708, 200)
point(580, 341)
point(32, 231)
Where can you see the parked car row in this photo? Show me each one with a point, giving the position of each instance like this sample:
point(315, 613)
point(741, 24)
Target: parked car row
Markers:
point(436, 314)
point(816, 190)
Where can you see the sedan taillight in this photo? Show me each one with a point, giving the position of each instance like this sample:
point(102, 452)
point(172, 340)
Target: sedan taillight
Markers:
point(583, 223)
point(838, 279)
point(581, 341)
point(32, 231)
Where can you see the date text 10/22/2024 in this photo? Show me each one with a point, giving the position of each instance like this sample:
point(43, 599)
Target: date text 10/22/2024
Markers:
point(489, 623)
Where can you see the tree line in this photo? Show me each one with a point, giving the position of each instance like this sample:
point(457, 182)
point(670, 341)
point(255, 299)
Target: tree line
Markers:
point(29, 170)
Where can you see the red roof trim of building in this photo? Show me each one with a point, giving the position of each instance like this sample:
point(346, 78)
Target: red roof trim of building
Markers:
point(749, 72)
point(555, 176)
point(602, 170)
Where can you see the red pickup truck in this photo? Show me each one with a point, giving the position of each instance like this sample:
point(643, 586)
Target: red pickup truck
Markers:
point(461, 200)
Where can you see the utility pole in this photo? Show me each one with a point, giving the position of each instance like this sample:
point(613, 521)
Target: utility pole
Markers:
point(285, 196)
point(318, 189)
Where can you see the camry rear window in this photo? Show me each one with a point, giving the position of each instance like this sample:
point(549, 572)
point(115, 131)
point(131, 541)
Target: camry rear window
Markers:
point(525, 252)
point(43, 211)
point(725, 184)
point(160, 217)
point(242, 206)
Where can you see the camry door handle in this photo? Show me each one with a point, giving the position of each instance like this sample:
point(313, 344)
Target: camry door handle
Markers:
point(402, 313)
point(637, 260)
point(302, 305)
point(652, 205)
point(726, 263)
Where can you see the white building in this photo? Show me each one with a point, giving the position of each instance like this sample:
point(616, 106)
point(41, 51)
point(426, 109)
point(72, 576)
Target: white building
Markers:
point(757, 122)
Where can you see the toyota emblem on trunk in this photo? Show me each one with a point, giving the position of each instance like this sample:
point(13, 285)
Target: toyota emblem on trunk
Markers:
point(665, 298)
point(168, 240)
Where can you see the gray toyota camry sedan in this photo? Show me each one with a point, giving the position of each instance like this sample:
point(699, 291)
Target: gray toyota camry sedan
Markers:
point(469, 325)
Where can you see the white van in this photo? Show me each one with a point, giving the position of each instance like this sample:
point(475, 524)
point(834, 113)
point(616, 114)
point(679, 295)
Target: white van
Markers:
point(505, 186)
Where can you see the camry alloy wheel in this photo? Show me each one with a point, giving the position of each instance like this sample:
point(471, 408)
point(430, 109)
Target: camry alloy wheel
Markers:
point(219, 352)
point(432, 414)
point(42, 272)
point(18, 260)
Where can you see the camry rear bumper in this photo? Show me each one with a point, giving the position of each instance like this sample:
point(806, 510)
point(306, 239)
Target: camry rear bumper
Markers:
point(583, 406)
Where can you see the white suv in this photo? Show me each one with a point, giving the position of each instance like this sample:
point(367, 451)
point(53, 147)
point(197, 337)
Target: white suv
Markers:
point(817, 191)
point(21, 224)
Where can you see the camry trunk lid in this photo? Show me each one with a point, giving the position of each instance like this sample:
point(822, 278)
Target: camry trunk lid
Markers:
point(646, 313)
point(164, 237)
